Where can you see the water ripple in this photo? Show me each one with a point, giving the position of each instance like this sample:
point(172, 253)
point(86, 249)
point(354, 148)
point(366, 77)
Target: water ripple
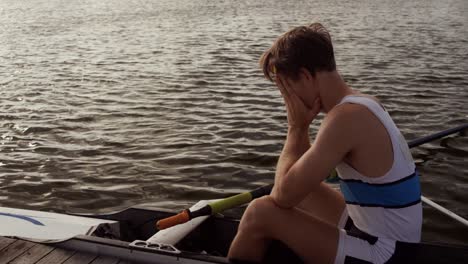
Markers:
point(108, 104)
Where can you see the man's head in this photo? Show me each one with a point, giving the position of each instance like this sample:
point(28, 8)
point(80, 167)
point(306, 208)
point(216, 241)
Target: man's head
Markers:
point(302, 48)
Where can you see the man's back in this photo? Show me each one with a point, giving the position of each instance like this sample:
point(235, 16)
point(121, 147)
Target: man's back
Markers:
point(386, 204)
point(373, 153)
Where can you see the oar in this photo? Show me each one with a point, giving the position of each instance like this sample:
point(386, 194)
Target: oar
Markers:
point(445, 211)
point(420, 141)
point(243, 198)
point(214, 207)
point(333, 178)
point(441, 134)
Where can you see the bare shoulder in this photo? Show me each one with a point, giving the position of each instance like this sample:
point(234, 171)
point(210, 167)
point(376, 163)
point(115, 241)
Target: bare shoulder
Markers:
point(346, 115)
point(351, 111)
point(370, 97)
point(340, 131)
point(348, 122)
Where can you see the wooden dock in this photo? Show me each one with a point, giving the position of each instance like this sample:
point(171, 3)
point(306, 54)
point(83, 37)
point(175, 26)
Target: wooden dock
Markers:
point(17, 251)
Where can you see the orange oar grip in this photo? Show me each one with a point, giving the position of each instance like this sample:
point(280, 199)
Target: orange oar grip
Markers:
point(179, 218)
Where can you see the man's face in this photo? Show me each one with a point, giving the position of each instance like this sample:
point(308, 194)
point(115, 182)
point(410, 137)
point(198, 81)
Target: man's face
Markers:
point(304, 87)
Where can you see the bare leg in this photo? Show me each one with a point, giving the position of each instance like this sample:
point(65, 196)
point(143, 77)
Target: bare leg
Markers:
point(309, 237)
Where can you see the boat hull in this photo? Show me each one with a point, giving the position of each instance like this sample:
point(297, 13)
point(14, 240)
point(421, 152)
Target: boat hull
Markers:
point(210, 241)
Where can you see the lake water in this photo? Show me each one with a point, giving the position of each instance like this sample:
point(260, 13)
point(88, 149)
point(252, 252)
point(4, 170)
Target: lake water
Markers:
point(112, 103)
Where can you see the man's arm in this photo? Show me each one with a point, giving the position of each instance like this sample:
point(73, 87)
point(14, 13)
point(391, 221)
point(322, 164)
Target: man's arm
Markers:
point(297, 143)
point(301, 168)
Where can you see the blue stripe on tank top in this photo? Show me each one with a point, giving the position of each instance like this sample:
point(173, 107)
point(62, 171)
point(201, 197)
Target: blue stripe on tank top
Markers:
point(398, 194)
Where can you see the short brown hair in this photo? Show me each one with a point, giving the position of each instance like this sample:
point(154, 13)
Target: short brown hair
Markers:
point(308, 47)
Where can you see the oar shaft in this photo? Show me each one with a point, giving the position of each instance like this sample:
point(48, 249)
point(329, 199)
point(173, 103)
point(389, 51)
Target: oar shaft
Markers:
point(423, 140)
point(445, 211)
point(441, 134)
point(239, 199)
point(230, 202)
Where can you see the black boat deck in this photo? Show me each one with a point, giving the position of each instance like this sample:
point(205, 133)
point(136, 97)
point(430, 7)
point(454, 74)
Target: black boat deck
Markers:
point(17, 251)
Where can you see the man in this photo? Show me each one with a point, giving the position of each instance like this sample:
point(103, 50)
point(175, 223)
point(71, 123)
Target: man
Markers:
point(379, 202)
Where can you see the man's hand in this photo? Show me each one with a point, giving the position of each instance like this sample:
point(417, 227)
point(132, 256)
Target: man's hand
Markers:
point(299, 114)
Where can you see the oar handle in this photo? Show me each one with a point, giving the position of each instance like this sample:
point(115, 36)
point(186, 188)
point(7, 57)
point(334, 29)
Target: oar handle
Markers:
point(180, 218)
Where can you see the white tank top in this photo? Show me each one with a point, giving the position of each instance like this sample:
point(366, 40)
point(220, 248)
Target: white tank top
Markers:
point(388, 206)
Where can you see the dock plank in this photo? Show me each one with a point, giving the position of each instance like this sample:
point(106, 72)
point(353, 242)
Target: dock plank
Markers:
point(56, 256)
point(105, 260)
point(14, 250)
point(32, 255)
point(5, 242)
point(80, 258)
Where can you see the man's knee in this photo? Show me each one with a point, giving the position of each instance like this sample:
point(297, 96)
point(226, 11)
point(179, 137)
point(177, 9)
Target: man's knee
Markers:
point(258, 212)
point(262, 204)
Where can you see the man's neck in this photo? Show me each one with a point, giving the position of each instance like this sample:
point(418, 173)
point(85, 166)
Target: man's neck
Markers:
point(332, 89)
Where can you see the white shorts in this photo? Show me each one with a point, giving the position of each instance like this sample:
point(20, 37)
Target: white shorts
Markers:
point(356, 246)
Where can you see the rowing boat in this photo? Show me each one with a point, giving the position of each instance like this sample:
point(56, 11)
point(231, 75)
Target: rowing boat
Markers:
point(124, 235)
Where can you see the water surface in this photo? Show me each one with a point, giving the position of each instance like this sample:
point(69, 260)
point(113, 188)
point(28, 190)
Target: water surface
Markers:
point(108, 104)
